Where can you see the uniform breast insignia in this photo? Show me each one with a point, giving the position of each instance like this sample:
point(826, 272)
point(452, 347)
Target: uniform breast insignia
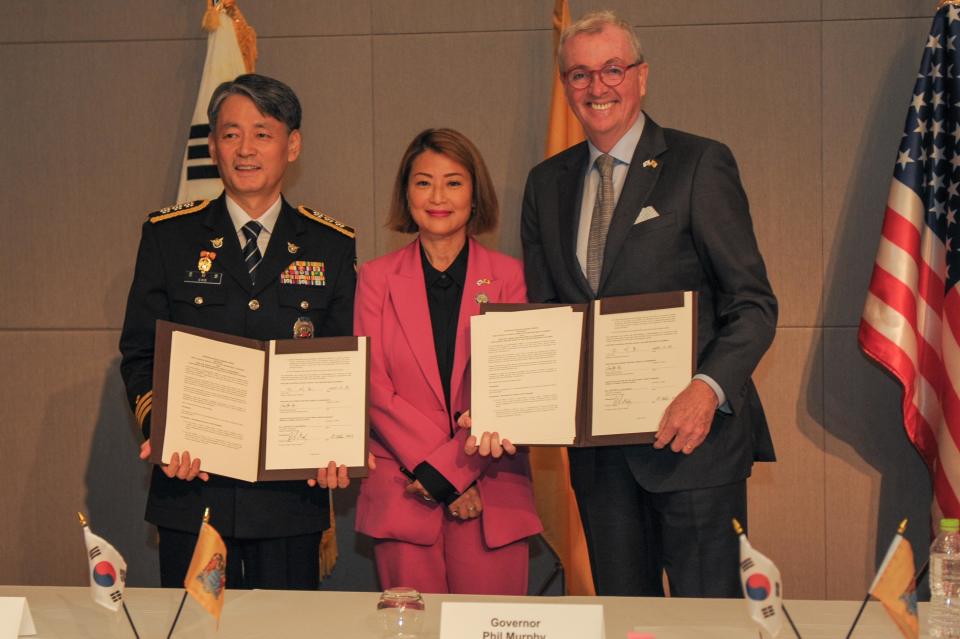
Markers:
point(184, 208)
point(304, 273)
point(292, 248)
point(205, 263)
point(325, 219)
point(217, 242)
point(650, 164)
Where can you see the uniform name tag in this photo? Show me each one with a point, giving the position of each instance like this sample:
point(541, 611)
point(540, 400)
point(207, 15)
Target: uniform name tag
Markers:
point(199, 277)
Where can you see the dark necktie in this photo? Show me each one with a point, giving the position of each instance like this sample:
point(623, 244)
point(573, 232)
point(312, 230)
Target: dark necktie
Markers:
point(251, 252)
point(600, 224)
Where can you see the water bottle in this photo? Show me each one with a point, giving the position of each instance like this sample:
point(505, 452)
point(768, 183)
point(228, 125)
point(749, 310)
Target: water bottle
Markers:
point(944, 615)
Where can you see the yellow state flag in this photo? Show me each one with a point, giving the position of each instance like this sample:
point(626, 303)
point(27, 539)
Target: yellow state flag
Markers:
point(556, 502)
point(895, 588)
point(206, 578)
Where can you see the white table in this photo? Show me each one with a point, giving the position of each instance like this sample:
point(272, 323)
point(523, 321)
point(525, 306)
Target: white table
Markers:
point(69, 613)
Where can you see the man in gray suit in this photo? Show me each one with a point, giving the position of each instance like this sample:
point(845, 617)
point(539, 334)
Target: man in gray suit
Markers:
point(641, 209)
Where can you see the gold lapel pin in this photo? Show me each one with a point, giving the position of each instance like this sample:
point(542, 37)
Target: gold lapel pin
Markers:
point(292, 248)
point(650, 164)
point(483, 280)
point(482, 298)
point(217, 242)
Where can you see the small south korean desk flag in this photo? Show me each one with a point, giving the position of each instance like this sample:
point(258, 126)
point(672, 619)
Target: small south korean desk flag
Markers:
point(231, 51)
point(108, 570)
point(760, 579)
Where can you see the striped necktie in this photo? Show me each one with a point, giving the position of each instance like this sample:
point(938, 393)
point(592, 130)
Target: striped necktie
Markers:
point(600, 224)
point(251, 252)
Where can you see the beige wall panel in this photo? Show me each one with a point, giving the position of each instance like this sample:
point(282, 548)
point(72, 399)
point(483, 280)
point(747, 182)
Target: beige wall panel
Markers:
point(428, 16)
point(334, 173)
point(69, 444)
point(473, 83)
point(439, 16)
point(868, 75)
point(859, 10)
point(874, 476)
point(786, 497)
point(691, 12)
point(95, 141)
point(59, 21)
point(746, 86)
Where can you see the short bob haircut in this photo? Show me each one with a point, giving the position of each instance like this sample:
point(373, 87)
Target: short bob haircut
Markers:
point(485, 210)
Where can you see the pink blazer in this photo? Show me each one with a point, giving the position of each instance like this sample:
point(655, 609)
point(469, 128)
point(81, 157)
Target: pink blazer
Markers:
point(409, 419)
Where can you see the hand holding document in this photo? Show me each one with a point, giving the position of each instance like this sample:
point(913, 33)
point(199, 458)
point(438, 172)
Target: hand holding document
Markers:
point(581, 375)
point(259, 410)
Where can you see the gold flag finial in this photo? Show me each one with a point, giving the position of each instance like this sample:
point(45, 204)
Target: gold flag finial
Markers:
point(83, 520)
point(206, 515)
point(902, 527)
point(737, 528)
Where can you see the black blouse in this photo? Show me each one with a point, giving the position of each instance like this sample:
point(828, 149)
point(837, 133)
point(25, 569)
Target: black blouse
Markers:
point(444, 292)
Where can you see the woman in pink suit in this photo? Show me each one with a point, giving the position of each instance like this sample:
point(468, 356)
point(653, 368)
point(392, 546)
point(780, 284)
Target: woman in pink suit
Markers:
point(443, 521)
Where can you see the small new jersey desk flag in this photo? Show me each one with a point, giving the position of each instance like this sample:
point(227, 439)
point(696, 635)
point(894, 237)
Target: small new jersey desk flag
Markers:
point(108, 570)
point(206, 578)
point(894, 585)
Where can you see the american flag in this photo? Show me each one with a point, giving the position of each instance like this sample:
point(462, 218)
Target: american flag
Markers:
point(911, 320)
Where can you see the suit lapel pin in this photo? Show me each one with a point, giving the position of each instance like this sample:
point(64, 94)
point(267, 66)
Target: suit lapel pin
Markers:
point(650, 164)
point(483, 280)
point(292, 248)
point(482, 298)
point(217, 242)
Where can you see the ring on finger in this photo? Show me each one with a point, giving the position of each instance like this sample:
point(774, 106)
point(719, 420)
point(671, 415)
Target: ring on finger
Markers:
point(454, 513)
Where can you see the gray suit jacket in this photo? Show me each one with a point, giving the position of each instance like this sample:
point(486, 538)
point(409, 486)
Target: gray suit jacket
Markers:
point(703, 241)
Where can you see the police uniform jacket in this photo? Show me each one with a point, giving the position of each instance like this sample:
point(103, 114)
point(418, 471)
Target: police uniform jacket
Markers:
point(167, 284)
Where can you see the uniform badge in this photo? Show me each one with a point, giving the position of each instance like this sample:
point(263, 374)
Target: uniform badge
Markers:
point(304, 273)
point(205, 263)
point(650, 164)
point(292, 248)
point(482, 298)
point(217, 242)
point(302, 328)
point(483, 280)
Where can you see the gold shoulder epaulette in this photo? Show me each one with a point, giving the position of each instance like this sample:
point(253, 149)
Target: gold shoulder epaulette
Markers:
point(184, 208)
point(323, 218)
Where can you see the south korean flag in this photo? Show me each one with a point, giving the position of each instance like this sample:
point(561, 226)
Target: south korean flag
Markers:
point(108, 571)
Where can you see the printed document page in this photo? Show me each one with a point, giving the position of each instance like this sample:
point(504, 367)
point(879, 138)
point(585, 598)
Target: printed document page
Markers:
point(525, 368)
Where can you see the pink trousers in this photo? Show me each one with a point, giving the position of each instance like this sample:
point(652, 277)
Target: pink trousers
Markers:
point(459, 562)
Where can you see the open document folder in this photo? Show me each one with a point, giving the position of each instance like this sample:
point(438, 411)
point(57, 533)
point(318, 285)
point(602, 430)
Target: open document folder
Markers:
point(583, 374)
point(256, 410)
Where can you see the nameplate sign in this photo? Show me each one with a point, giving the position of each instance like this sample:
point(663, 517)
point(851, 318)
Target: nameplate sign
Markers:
point(461, 620)
point(15, 618)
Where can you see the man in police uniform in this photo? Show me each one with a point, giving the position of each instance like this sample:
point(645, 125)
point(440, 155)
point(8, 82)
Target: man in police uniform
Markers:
point(247, 264)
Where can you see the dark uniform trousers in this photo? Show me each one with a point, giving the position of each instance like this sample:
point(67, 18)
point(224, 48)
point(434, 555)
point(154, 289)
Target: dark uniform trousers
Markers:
point(267, 526)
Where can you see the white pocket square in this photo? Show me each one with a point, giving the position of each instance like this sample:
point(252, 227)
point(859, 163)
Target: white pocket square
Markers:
point(646, 213)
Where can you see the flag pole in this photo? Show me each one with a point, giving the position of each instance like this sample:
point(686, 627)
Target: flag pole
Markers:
point(206, 520)
point(900, 530)
point(177, 617)
point(86, 524)
point(856, 619)
point(792, 625)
